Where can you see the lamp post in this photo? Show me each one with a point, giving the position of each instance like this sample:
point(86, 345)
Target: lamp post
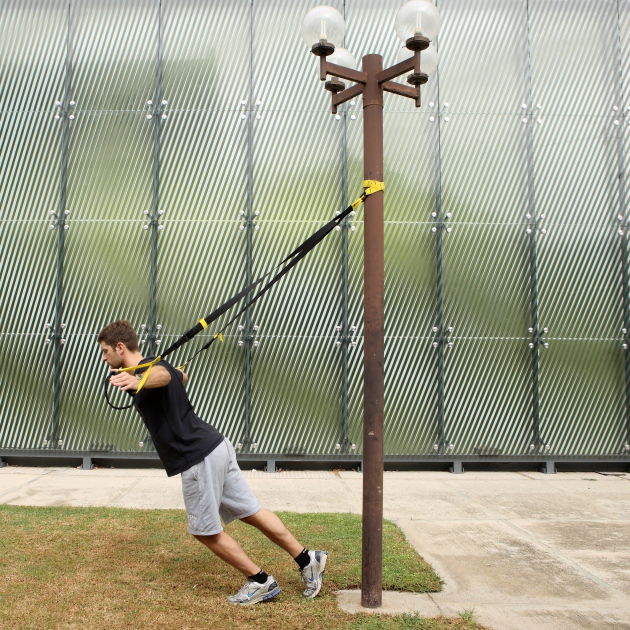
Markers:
point(323, 29)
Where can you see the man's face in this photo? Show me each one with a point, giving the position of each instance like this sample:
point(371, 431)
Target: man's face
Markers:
point(112, 356)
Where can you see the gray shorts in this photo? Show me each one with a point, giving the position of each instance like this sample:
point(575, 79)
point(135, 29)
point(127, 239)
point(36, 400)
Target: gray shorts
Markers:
point(213, 488)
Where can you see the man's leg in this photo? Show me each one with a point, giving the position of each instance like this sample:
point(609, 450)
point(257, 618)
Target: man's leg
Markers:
point(259, 586)
point(311, 563)
point(272, 527)
point(224, 546)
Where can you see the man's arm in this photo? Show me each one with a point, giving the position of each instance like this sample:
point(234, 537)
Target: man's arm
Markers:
point(158, 377)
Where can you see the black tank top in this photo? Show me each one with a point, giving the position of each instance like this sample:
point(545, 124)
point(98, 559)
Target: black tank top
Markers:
point(181, 438)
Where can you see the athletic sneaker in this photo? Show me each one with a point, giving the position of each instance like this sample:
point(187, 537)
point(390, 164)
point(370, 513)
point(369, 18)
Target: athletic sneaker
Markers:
point(253, 592)
point(313, 573)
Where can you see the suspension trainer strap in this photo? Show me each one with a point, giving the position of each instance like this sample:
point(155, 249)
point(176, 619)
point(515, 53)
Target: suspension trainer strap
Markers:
point(370, 187)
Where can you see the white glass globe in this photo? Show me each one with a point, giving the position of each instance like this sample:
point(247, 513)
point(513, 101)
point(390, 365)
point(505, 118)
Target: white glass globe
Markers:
point(343, 57)
point(418, 17)
point(323, 23)
point(428, 59)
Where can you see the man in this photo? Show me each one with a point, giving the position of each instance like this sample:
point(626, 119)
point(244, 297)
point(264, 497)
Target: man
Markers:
point(212, 482)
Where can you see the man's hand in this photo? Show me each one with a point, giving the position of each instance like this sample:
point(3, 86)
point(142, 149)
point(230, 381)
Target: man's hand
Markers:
point(124, 381)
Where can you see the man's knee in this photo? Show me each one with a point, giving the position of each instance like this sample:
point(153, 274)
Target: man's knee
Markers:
point(208, 540)
point(262, 518)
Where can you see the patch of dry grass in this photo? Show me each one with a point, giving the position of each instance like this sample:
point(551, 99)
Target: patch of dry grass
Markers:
point(121, 569)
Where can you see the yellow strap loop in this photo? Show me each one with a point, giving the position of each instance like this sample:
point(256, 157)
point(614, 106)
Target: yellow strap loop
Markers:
point(358, 201)
point(371, 186)
point(203, 323)
point(148, 365)
point(220, 336)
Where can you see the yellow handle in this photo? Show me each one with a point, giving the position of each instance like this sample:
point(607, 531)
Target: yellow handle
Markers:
point(143, 380)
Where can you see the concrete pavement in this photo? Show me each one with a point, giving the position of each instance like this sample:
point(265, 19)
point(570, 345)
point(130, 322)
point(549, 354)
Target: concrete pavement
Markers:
point(524, 550)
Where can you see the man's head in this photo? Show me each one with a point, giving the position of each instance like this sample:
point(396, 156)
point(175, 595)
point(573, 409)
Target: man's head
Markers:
point(117, 340)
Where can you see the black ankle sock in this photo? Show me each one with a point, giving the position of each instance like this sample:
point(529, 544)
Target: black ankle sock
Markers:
point(260, 577)
point(303, 559)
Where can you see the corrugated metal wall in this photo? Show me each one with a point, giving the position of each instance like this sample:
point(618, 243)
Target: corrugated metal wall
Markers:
point(193, 147)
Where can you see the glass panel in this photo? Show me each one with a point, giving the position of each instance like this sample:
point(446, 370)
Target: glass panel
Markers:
point(297, 172)
point(306, 302)
point(30, 158)
point(206, 54)
point(203, 166)
point(33, 41)
point(27, 276)
point(488, 397)
point(575, 169)
point(106, 275)
point(410, 418)
point(482, 48)
point(200, 265)
point(115, 53)
point(571, 41)
point(110, 166)
point(582, 395)
point(484, 170)
point(25, 392)
point(580, 282)
point(487, 281)
point(296, 396)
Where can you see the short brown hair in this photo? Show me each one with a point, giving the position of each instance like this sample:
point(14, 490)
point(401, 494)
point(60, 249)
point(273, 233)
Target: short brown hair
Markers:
point(119, 332)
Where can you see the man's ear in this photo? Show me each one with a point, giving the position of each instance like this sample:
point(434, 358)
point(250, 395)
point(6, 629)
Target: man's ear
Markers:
point(120, 347)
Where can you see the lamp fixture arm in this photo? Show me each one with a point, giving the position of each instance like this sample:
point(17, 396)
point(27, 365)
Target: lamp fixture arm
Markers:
point(326, 68)
point(408, 65)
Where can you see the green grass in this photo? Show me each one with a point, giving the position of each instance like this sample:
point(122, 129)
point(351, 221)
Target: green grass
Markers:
point(115, 569)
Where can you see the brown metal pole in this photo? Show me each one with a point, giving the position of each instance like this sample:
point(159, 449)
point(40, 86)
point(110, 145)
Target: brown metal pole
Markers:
point(374, 344)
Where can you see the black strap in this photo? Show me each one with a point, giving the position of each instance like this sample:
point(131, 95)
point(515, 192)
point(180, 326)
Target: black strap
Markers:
point(109, 402)
point(293, 259)
point(295, 256)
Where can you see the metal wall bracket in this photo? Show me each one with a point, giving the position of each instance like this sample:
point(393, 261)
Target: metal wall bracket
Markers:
point(249, 223)
point(457, 468)
point(87, 463)
point(271, 466)
point(2, 463)
point(442, 337)
point(345, 337)
point(537, 338)
point(548, 467)
point(440, 222)
point(159, 110)
point(65, 110)
point(531, 114)
point(244, 338)
point(440, 113)
point(148, 336)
